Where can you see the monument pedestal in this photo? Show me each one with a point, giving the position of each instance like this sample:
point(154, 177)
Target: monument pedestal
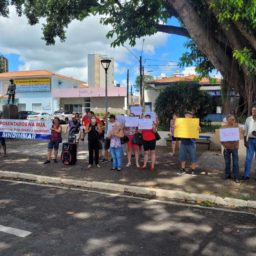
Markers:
point(10, 112)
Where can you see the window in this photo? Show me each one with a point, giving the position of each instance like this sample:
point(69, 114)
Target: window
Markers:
point(73, 108)
point(87, 104)
point(21, 107)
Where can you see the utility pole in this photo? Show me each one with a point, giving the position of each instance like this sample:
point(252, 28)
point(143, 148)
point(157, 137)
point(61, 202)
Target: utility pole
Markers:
point(141, 83)
point(127, 88)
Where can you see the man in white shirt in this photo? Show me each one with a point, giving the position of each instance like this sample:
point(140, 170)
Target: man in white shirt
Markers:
point(249, 142)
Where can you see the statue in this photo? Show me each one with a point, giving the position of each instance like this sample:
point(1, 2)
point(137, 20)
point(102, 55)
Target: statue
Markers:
point(11, 91)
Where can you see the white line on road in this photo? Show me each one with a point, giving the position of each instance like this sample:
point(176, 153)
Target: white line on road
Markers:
point(14, 231)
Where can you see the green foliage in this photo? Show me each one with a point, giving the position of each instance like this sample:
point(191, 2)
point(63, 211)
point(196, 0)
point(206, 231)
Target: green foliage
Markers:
point(194, 57)
point(147, 78)
point(245, 57)
point(181, 97)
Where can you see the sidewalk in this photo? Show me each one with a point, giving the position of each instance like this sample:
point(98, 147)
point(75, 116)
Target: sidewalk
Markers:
point(28, 157)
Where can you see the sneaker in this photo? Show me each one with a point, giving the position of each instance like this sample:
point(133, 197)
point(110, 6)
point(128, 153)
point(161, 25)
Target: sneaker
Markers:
point(181, 171)
point(98, 166)
point(89, 166)
point(245, 178)
point(104, 160)
point(113, 169)
point(118, 169)
point(228, 177)
point(236, 180)
point(47, 162)
point(55, 161)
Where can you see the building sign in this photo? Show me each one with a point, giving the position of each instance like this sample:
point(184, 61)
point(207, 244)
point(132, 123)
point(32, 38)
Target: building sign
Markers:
point(33, 85)
point(25, 129)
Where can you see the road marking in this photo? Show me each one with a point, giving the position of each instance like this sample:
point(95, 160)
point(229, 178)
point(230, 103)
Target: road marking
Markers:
point(14, 231)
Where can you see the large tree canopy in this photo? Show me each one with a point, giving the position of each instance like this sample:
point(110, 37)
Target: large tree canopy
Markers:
point(222, 31)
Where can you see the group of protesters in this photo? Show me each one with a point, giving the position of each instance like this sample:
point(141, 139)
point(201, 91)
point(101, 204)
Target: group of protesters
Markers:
point(111, 136)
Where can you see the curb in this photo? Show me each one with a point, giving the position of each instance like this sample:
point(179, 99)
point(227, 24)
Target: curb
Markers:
point(151, 193)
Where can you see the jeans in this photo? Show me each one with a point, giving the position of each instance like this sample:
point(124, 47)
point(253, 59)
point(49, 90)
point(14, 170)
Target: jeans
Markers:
point(227, 156)
point(117, 156)
point(249, 156)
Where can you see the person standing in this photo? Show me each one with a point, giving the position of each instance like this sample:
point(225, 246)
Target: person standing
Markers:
point(249, 142)
point(231, 149)
point(93, 129)
point(174, 140)
point(149, 145)
point(55, 140)
point(11, 91)
point(74, 128)
point(187, 148)
point(116, 149)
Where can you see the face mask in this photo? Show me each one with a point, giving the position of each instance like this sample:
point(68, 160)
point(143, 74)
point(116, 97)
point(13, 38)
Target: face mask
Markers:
point(93, 121)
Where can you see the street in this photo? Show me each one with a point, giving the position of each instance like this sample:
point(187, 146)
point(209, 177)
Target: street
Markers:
point(47, 221)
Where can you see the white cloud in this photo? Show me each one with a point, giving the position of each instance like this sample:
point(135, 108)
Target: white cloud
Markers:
point(189, 71)
point(70, 57)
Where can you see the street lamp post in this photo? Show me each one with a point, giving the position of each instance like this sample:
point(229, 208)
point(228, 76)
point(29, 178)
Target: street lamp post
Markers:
point(105, 64)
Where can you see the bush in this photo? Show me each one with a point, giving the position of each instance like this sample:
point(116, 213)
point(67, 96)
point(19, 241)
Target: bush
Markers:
point(181, 97)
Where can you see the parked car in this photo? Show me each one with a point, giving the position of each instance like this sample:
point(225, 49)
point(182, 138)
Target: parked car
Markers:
point(24, 114)
point(39, 116)
point(64, 116)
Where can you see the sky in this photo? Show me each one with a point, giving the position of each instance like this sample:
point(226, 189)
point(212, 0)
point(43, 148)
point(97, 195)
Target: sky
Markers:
point(25, 50)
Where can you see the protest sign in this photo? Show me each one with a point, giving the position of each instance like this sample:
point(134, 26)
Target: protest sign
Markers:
point(25, 129)
point(145, 124)
point(186, 128)
point(136, 110)
point(152, 115)
point(131, 121)
point(120, 119)
point(229, 134)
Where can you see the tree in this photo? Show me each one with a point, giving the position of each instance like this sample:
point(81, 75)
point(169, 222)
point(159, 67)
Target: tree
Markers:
point(223, 31)
point(181, 97)
point(146, 79)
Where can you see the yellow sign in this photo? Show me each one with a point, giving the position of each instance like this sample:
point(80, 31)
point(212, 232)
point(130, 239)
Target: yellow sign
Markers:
point(40, 81)
point(186, 128)
point(33, 85)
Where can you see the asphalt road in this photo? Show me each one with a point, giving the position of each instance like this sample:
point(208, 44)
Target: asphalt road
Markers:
point(72, 223)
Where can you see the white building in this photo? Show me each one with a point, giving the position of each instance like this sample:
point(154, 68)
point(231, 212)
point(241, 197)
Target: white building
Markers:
point(96, 73)
point(45, 91)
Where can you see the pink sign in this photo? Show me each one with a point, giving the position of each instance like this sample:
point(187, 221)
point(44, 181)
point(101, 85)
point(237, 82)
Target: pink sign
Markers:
point(229, 134)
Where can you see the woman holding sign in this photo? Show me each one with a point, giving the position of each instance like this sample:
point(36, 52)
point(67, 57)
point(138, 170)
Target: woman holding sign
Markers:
point(131, 131)
point(231, 149)
point(149, 141)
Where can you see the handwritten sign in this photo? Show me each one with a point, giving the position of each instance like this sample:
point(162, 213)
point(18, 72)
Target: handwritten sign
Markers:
point(187, 128)
point(136, 110)
point(131, 121)
point(25, 129)
point(145, 124)
point(229, 134)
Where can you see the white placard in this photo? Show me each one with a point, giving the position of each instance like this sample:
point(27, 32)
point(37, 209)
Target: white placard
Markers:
point(131, 121)
point(120, 119)
point(229, 134)
point(152, 115)
point(136, 110)
point(145, 124)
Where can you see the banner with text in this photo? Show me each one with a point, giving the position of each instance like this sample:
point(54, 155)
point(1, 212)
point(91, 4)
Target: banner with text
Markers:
point(25, 129)
point(229, 134)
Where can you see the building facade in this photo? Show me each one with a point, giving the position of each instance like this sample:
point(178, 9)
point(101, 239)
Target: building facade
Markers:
point(96, 73)
point(3, 64)
point(46, 91)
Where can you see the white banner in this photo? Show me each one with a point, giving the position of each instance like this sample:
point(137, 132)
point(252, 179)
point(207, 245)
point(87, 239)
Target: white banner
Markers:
point(25, 129)
point(136, 110)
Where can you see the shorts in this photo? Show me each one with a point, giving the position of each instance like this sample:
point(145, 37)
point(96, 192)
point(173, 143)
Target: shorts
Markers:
point(130, 145)
point(2, 140)
point(149, 145)
point(53, 144)
point(187, 150)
